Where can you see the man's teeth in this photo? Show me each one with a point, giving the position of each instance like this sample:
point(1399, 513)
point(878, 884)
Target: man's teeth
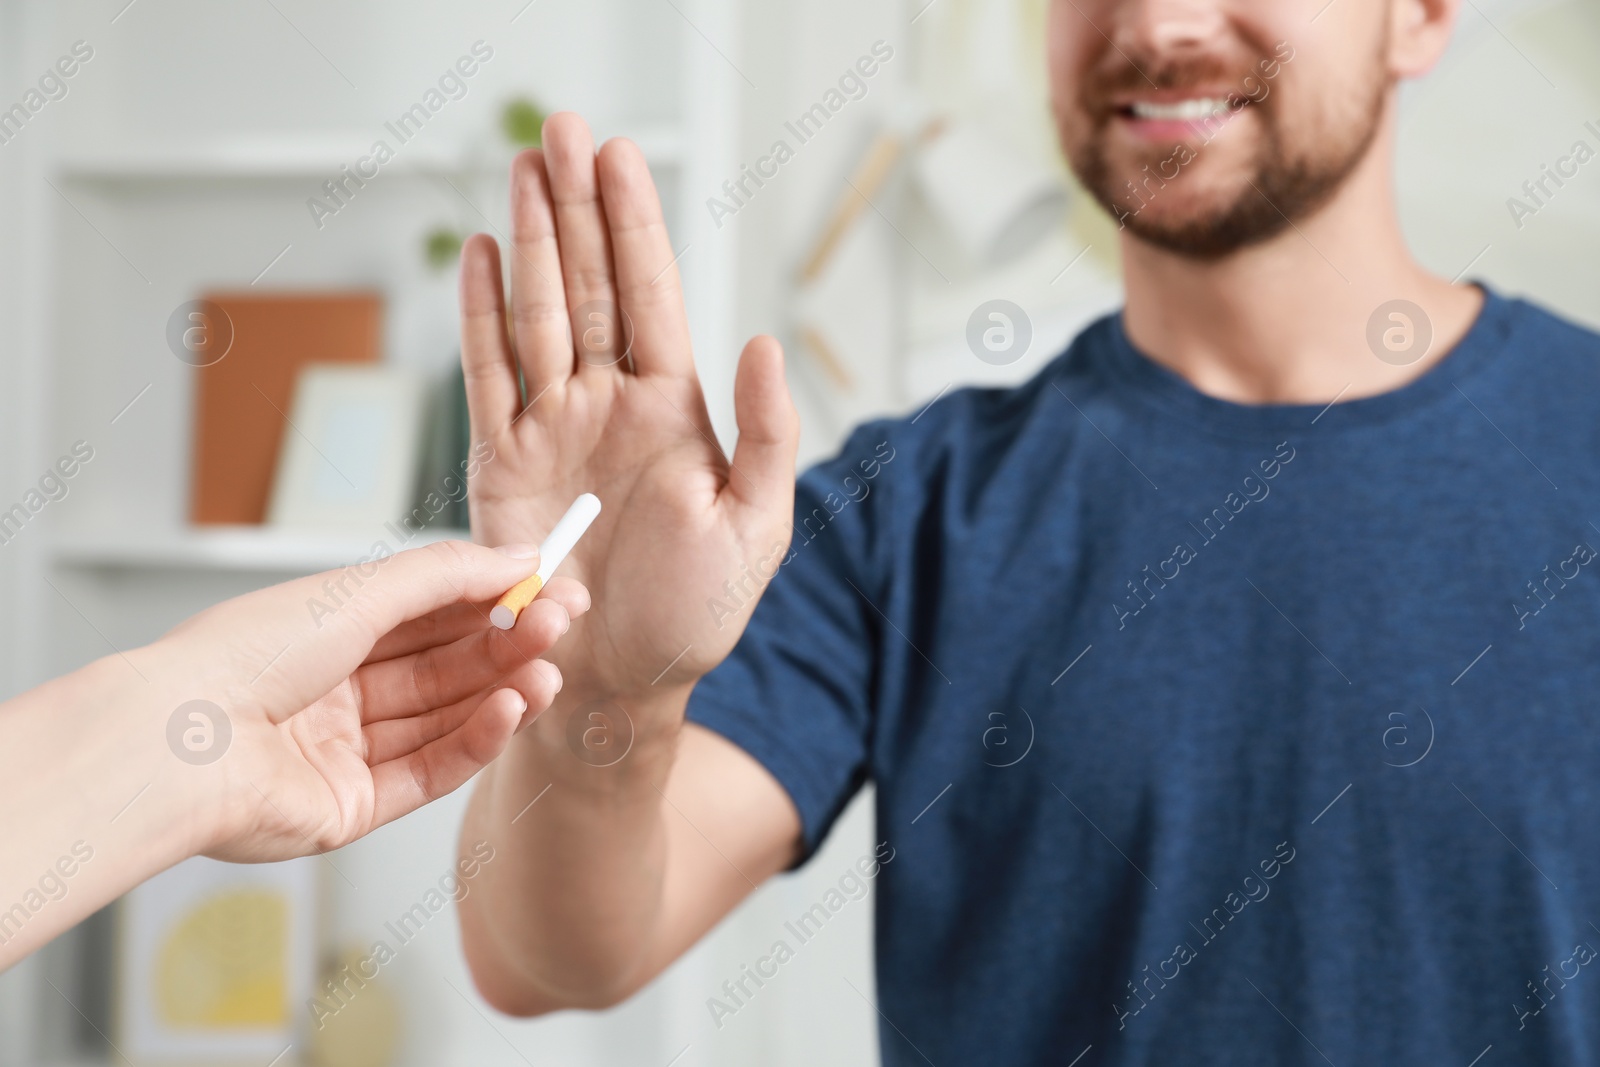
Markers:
point(1183, 110)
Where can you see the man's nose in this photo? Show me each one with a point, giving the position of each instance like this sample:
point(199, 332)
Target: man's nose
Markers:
point(1161, 27)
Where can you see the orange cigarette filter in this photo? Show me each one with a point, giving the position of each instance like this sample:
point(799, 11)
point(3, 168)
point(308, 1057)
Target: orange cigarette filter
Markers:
point(552, 553)
point(509, 607)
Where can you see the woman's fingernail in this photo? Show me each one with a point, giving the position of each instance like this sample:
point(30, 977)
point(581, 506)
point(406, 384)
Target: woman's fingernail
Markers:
point(568, 615)
point(519, 551)
point(522, 700)
point(550, 672)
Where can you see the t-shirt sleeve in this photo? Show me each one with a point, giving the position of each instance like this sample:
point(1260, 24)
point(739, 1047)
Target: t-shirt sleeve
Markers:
point(797, 691)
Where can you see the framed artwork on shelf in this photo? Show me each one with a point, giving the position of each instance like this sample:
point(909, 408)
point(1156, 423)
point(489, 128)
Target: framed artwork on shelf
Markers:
point(215, 963)
point(350, 458)
point(247, 351)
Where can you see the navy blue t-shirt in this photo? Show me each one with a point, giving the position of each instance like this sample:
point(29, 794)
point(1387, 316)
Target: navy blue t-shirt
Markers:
point(1207, 733)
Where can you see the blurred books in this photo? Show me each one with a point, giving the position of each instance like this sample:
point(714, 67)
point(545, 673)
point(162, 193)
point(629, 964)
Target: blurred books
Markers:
point(249, 349)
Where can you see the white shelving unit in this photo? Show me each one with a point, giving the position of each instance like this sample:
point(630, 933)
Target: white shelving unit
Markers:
point(120, 218)
point(231, 549)
point(315, 158)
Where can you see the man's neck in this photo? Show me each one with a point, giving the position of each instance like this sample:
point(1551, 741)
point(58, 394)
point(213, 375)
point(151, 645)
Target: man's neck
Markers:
point(1286, 321)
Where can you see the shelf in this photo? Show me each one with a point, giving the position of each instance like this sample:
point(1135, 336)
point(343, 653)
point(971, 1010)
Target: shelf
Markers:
point(237, 549)
point(110, 1060)
point(320, 157)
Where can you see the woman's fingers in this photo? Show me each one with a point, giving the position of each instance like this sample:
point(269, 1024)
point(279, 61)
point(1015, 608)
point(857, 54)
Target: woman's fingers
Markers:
point(436, 677)
point(326, 625)
point(433, 629)
point(486, 359)
point(459, 620)
point(538, 297)
point(598, 333)
point(407, 782)
point(646, 274)
point(569, 593)
point(383, 594)
point(538, 682)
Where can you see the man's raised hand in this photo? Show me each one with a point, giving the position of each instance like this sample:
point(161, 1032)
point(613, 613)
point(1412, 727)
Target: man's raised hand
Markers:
point(610, 404)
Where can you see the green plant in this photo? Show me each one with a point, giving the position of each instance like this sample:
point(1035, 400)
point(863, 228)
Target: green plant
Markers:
point(522, 121)
point(441, 247)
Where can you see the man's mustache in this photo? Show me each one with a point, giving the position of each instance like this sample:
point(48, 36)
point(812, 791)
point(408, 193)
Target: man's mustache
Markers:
point(1124, 73)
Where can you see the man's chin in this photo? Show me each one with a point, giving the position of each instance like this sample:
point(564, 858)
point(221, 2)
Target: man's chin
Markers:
point(1204, 231)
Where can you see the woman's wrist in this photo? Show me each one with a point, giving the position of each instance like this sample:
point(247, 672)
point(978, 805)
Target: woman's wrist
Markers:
point(85, 767)
point(197, 742)
point(118, 713)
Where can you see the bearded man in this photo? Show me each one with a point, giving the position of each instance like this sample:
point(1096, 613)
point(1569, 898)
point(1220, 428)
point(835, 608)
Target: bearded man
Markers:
point(1282, 572)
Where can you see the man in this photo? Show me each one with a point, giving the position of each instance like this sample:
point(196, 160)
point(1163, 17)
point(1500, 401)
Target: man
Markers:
point(1286, 583)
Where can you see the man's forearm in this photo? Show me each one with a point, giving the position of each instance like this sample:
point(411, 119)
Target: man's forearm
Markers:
point(568, 911)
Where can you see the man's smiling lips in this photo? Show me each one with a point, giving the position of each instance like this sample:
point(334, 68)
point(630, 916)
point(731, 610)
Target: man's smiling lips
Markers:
point(1168, 117)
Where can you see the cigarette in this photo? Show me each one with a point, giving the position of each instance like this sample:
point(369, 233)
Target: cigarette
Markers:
point(551, 555)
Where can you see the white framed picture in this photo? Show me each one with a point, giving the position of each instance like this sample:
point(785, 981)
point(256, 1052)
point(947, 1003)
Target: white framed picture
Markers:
point(349, 454)
point(215, 964)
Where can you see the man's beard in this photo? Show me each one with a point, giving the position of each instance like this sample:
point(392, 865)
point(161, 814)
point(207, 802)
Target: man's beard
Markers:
point(1284, 182)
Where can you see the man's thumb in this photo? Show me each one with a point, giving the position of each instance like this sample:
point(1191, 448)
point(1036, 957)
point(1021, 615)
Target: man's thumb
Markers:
point(769, 430)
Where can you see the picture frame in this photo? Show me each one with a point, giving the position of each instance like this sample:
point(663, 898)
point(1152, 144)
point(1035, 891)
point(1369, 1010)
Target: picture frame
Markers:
point(349, 459)
point(215, 964)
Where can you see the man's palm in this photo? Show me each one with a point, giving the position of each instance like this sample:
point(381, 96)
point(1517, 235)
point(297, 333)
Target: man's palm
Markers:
point(613, 407)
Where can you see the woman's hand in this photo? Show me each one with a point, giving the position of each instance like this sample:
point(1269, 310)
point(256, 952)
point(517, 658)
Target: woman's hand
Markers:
point(282, 723)
point(354, 697)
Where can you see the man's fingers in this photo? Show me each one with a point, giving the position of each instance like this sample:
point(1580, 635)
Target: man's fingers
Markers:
point(405, 783)
point(538, 297)
point(769, 432)
point(585, 243)
point(646, 274)
point(486, 360)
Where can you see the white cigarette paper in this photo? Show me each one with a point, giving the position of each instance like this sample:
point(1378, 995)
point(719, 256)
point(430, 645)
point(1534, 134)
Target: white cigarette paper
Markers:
point(552, 553)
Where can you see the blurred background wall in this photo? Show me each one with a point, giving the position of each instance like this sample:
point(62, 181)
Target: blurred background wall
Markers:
point(180, 161)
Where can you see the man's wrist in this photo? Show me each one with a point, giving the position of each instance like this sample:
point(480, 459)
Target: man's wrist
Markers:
point(611, 746)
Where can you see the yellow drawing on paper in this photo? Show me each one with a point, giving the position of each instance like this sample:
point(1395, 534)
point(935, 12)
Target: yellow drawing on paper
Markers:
point(224, 965)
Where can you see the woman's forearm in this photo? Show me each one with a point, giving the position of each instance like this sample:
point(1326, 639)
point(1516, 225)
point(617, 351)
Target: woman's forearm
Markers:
point(253, 734)
point(95, 800)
